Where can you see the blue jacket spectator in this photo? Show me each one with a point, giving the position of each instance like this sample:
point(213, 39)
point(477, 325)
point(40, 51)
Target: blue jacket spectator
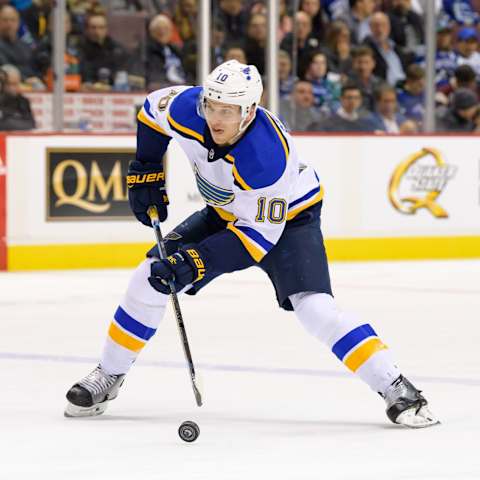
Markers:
point(411, 97)
point(467, 48)
point(446, 58)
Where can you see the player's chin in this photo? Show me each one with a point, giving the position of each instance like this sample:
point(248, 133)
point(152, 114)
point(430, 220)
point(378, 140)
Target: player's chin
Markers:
point(218, 137)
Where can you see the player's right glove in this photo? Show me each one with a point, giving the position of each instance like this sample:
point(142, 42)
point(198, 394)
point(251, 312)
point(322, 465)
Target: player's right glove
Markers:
point(146, 187)
point(184, 267)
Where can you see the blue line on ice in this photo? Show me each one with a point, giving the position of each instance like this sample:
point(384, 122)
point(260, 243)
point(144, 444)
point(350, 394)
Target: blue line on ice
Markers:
point(224, 368)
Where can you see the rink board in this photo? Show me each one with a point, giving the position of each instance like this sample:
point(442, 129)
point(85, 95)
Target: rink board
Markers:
point(408, 197)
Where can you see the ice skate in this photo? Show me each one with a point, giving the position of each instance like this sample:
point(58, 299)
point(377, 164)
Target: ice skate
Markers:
point(407, 406)
point(90, 396)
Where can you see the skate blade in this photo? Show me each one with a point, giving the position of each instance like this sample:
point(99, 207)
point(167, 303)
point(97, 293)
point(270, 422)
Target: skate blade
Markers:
point(421, 419)
point(74, 411)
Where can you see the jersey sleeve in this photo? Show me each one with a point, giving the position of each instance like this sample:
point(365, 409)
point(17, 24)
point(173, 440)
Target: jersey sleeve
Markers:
point(153, 130)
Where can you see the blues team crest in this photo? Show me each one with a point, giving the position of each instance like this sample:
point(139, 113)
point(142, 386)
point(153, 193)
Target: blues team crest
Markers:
point(213, 195)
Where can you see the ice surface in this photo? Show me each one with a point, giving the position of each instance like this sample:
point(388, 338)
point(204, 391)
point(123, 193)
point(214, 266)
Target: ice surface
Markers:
point(278, 405)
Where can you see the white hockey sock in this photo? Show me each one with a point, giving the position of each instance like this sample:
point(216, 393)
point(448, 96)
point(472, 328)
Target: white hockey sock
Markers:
point(135, 322)
point(354, 343)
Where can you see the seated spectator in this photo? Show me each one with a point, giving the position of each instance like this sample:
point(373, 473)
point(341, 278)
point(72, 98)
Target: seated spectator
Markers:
point(407, 26)
point(256, 41)
point(306, 41)
point(326, 85)
point(389, 60)
point(445, 57)
point(80, 10)
point(464, 77)
point(358, 19)
point(14, 51)
point(236, 53)
point(162, 65)
point(348, 117)
point(319, 19)
point(101, 57)
point(338, 48)
point(363, 65)
point(460, 12)
point(386, 117)
point(233, 15)
point(467, 48)
point(285, 77)
point(185, 18)
point(15, 111)
point(35, 19)
point(411, 97)
point(298, 111)
point(43, 58)
point(461, 115)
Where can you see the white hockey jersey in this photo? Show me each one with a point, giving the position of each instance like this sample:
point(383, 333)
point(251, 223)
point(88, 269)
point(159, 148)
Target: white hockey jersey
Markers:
point(256, 185)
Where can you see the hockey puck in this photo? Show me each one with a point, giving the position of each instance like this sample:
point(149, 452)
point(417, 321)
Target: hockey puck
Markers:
point(188, 431)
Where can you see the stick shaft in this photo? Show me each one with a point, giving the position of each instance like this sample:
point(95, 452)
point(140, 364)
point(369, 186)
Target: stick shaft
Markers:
point(152, 212)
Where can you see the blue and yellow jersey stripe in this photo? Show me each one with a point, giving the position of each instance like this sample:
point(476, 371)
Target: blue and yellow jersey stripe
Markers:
point(183, 130)
point(260, 157)
point(183, 117)
point(357, 346)
point(146, 117)
point(255, 243)
point(281, 136)
point(309, 199)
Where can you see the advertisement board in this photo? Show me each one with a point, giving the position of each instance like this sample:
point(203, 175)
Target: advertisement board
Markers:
point(87, 183)
point(385, 198)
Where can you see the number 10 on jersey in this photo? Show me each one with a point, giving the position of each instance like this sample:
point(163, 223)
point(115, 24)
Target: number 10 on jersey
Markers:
point(275, 211)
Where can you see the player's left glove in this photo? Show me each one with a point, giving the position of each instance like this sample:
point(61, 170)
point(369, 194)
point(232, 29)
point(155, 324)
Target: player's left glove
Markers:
point(183, 268)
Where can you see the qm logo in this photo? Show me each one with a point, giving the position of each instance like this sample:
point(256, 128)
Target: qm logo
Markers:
point(418, 181)
point(86, 184)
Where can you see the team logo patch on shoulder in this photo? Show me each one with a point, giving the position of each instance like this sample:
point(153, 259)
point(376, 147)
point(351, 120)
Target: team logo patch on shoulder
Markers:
point(164, 101)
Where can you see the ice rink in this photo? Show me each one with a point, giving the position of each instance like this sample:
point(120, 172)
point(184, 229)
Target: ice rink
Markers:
point(278, 405)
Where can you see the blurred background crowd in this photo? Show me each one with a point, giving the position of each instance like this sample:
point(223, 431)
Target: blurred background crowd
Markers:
point(343, 65)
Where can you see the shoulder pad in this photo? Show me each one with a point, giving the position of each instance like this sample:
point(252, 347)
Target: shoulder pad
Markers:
point(260, 157)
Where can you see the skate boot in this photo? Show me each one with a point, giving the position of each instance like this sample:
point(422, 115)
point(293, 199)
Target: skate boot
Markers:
point(90, 396)
point(407, 406)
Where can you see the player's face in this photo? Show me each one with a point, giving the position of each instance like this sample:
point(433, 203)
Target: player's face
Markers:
point(223, 120)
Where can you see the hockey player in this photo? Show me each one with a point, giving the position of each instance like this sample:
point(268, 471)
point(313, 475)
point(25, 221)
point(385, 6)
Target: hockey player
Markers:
point(262, 207)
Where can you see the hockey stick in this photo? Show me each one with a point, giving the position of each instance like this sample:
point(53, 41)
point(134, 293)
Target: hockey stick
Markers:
point(153, 214)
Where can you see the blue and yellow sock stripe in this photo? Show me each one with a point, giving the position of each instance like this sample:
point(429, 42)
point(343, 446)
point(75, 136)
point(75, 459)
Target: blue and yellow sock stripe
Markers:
point(357, 346)
point(128, 332)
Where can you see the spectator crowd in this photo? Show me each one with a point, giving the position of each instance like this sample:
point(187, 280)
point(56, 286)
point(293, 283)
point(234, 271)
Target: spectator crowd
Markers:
point(343, 65)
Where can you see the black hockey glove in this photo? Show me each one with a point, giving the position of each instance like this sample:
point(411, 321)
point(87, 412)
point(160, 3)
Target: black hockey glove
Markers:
point(146, 187)
point(182, 268)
